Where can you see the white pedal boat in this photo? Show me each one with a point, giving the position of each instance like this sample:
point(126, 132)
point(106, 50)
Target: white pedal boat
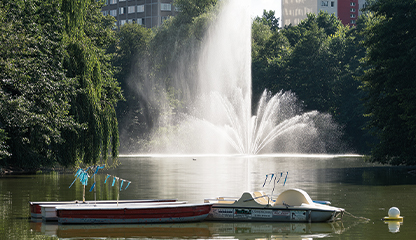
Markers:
point(293, 205)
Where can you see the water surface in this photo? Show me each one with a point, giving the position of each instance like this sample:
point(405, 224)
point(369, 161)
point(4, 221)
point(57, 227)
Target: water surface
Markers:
point(364, 190)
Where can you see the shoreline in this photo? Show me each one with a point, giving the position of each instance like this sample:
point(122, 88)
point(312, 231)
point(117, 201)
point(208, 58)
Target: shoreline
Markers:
point(21, 171)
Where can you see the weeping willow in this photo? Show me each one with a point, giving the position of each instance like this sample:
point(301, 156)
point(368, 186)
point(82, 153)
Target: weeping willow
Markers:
point(93, 105)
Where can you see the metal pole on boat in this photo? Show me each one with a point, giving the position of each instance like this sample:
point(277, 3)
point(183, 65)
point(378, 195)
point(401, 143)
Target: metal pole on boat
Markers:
point(95, 193)
point(118, 190)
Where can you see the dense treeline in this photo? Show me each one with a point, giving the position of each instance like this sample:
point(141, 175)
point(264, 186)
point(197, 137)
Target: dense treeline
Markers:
point(155, 90)
point(319, 60)
point(58, 95)
point(364, 76)
point(390, 81)
point(59, 64)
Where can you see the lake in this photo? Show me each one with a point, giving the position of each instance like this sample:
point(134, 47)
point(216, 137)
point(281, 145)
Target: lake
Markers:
point(365, 190)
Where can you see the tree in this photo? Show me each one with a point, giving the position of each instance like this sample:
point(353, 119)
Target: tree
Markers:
point(347, 108)
point(310, 69)
point(87, 34)
point(156, 91)
point(57, 90)
point(269, 19)
point(319, 60)
point(270, 50)
point(3, 147)
point(390, 81)
point(190, 9)
point(35, 93)
point(132, 60)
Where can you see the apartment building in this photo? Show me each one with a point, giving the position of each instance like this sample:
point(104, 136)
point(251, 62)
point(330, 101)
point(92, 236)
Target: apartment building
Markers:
point(349, 10)
point(294, 11)
point(149, 13)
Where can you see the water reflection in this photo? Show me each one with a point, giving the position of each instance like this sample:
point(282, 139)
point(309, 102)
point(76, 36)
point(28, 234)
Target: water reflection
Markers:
point(193, 230)
point(363, 189)
point(394, 226)
point(207, 177)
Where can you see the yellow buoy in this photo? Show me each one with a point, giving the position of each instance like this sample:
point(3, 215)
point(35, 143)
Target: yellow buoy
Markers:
point(394, 215)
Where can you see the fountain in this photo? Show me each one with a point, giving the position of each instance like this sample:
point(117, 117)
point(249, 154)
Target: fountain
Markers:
point(220, 121)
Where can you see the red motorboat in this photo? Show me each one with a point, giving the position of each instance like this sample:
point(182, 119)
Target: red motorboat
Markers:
point(133, 213)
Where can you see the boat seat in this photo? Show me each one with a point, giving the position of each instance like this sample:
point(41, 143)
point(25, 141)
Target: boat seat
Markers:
point(225, 200)
point(221, 200)
point(261, 198)
point(248, 199)
point(293, 197)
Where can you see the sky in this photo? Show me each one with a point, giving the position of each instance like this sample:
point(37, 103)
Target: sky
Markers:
point(258, 6)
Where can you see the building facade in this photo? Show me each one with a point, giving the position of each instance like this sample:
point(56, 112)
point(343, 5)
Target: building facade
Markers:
point(149, 13)
point(294, 11)
point(349, 10)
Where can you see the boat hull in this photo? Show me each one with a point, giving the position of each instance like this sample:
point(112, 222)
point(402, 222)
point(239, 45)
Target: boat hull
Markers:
point(36, 209)
point(134, 213)
point(223, 213)
point(49, 211)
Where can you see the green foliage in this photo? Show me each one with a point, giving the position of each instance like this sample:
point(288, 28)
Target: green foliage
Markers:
point(190, 9)
point(309, 69)
point(98, 92)
point(132, 60)
point(269, 19)
point(174, 46)
point(148, 64)
point(35, 91)
point(57, 92)
point(389, 38)
point(133, 45)
point(319, 61)
point(323, 21)
point(3, 147)
point(270, 50)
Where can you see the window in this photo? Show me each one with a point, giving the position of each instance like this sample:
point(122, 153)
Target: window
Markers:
point(324, 3)
point(352, 4)
point(165, 7)
point(113, 1)
point(352, 15)
point(121, 0)
point(352, 21)
point(332, 3)
point(113, 12)
point(140, 8)
point(131, 9)
point(105, 13)
point(140, 21)
point(121, 11)
point(352, 9)
point(122, 22)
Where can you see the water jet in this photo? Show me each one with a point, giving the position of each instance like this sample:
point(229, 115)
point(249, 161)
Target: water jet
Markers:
point(219, 119)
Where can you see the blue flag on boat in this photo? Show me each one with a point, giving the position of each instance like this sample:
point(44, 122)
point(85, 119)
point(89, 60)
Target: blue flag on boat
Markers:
point(98, 168)
point(287, 173)
point(106, 178)
point(118, 179)
point(82, 175)
point(121, 184)
point(92, 187)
